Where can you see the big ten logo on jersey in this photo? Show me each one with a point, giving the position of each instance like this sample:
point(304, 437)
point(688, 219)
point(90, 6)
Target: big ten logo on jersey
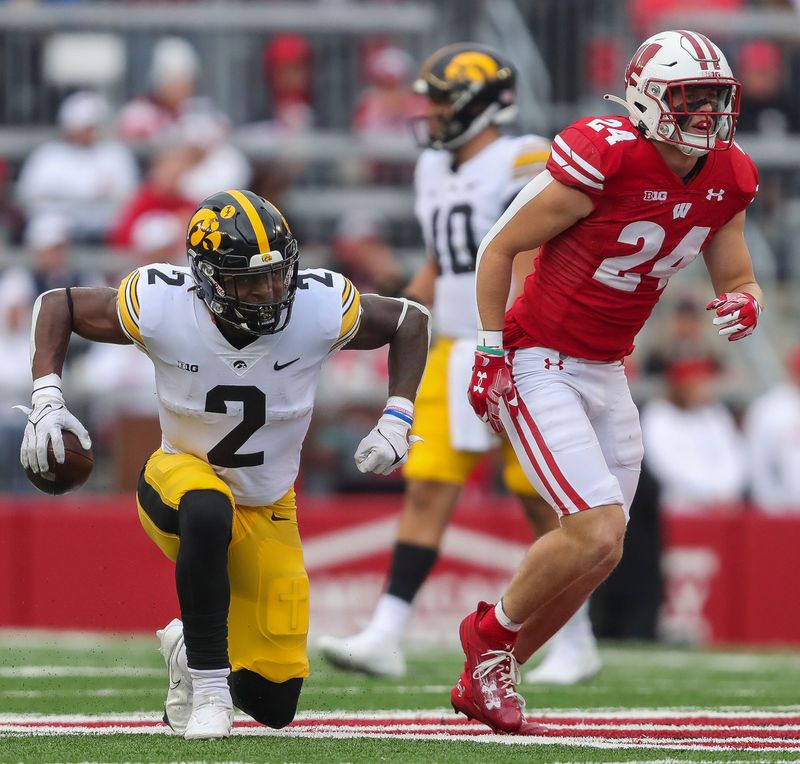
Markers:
point(655, 196)
point(193, 367)
point(613, 129)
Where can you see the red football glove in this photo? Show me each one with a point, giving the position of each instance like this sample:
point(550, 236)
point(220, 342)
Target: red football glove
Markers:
point(737, 314)
point(491, 382)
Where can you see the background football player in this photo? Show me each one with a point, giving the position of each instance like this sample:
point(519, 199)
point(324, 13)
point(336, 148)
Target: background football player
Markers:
point(464, 180)
point(237, 340)
point(624, 203)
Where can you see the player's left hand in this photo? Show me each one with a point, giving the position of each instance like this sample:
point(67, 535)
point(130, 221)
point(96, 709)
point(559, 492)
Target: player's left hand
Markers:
point(736, 314)
point(386, 447)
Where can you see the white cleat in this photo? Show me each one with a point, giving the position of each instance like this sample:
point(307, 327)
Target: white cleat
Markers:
point(365, 655)
point(178, 705)
point(211, 719)
point(567, 665)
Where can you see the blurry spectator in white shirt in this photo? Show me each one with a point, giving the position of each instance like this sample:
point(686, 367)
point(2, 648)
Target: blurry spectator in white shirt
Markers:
point(214, 162)
point(156, 116)
point(79, 175)
point(47, 251)
point(772, 428)
point(691, 443)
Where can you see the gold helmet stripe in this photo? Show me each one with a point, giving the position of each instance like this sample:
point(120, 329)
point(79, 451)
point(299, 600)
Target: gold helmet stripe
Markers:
point(255, 221)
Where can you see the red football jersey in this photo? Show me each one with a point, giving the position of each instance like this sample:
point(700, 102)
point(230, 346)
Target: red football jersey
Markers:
point(595, 284)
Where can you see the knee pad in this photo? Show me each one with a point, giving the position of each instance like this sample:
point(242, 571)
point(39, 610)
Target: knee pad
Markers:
point(273, 704)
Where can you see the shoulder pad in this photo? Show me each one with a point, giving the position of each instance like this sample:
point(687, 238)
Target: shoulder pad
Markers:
point(590, 151)
point(140, 291)
point(531, 153)
point(744, 170)
point(338, 301)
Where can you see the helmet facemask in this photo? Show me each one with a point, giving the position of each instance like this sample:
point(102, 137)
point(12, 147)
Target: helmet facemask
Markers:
point(685, 119)
point(229, 290)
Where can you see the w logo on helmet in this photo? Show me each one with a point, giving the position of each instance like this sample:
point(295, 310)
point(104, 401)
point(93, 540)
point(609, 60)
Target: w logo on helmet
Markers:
point(203, 230)
point(639, 61)
point(471, 66)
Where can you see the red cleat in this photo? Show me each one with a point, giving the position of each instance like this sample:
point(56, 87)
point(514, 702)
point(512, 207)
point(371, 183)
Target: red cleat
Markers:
point(532, 729)
point(487, 688)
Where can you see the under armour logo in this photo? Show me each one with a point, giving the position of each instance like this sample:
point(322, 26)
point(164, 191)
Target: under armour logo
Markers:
point(548, 364)
point(712, 194)
point(482, 376)
point(681, 210)
point(490, 698)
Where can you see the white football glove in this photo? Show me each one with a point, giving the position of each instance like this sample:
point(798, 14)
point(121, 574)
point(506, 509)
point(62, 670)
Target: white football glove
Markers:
point(386, 447)
point(46, 419)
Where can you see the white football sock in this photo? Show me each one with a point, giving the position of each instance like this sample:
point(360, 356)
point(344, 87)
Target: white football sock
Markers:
point(211, 682)
point(576, 631)
point(389, 619)
point(503, 619)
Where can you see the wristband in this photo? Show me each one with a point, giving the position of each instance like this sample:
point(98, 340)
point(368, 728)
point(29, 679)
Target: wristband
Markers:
point(48, 386)
point(400, 407)
point(491, 351)
point(490, 339)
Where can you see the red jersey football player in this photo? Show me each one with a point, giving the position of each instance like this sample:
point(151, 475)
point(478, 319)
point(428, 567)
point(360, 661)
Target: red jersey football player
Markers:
point(624, 204)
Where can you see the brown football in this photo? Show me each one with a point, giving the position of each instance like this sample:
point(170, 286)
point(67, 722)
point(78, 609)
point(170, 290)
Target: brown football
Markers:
point(72, 474)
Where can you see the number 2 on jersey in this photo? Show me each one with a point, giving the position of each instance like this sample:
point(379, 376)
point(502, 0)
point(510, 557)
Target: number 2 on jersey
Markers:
point(254, 416)
point(618, 272)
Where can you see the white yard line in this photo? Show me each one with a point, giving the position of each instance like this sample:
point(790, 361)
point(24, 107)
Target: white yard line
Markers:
point(34, 672)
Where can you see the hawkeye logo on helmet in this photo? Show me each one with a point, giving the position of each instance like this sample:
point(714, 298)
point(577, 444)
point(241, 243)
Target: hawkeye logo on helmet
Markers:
point(203, 230)
point(266, 257)
point(471, 66)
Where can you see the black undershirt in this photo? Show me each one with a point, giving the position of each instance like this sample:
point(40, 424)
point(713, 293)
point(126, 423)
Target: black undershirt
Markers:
point(698, 165)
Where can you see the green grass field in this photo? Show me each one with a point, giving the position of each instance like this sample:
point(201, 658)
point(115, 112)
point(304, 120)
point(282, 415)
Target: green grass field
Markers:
point(65, 698)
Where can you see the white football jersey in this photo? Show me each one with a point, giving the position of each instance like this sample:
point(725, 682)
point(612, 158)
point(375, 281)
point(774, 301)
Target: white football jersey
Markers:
point(456, 209)
point(245, 412)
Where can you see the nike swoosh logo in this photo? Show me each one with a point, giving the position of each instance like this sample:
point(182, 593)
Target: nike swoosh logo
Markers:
point(397, 456)
point(276, 518)
point(175, 685)
point(279, 366)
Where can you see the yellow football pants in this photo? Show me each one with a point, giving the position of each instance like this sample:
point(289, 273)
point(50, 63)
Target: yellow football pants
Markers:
point(268, 617)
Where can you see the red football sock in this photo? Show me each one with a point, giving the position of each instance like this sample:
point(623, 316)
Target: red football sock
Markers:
point(493, 631)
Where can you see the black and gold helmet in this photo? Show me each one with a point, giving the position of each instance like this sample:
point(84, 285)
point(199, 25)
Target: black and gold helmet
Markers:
point(476, 82)
point(240, 245)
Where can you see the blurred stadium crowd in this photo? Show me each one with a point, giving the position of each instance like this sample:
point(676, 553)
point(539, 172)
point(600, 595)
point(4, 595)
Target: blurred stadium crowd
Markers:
point(113, 131)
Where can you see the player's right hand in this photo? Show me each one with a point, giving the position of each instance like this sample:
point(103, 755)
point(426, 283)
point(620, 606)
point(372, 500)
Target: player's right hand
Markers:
point(48, 417)
point(491, 382)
